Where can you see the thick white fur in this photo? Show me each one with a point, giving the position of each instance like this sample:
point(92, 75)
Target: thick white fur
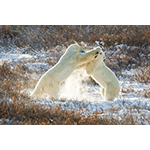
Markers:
point(70, 60)
point(103, 76)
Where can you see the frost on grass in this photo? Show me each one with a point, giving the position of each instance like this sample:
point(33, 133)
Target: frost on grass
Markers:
point(79, 100)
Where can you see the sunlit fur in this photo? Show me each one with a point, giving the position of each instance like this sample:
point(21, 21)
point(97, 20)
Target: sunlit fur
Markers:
point(70, 60)
point(103, 76)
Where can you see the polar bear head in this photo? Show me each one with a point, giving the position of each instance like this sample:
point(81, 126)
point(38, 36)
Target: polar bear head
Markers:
point(75, 48)
point(71, 53)
point(77, 55)
point(100, 55)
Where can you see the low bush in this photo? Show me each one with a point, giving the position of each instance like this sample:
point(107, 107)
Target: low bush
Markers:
point(28, 113)
point(18, 107)
point(38, 37)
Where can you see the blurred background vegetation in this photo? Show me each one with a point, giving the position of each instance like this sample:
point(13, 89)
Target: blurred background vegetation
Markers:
point(48, 36)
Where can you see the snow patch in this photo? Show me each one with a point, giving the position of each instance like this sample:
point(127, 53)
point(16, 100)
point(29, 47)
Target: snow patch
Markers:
point(37, 66)
point(74, 93)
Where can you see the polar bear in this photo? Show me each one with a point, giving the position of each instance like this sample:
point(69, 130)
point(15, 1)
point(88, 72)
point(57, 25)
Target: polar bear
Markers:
point(103, 76)
point(70, 60)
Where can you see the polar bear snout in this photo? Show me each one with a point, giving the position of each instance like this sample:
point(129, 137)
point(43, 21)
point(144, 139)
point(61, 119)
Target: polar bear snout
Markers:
point(100, 55)
point(96, 54)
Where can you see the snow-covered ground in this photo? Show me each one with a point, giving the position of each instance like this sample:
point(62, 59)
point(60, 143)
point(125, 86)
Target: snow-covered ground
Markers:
point(75, 93)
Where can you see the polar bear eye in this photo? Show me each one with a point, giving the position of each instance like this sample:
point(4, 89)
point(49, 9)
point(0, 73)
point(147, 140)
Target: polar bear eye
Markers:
point(82, 51)
point(100, 53)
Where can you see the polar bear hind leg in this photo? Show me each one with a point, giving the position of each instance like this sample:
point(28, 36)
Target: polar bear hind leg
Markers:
point(111, 93)
point(52, 90)
point(108, 96)
point(37, 93)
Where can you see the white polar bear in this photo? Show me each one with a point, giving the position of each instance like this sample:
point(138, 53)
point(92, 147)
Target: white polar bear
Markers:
point(103, 76)
point(70, 60)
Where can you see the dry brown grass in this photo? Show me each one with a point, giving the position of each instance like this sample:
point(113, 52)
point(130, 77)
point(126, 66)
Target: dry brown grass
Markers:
point(144, 75)
point(14, 80)
point(38, 37)
point(31, 114)
point(129, 58)
point(23, 109)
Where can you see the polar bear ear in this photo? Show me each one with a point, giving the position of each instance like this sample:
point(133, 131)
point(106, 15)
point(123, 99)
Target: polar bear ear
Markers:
point(75, 42)
point(80, 48)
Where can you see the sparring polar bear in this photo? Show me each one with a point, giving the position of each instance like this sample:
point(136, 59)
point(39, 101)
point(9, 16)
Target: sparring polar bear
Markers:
point(70, 60)
point(103, 76)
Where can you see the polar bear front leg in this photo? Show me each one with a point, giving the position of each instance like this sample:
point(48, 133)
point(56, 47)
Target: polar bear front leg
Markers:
point(88, 56)
point(89, 68)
